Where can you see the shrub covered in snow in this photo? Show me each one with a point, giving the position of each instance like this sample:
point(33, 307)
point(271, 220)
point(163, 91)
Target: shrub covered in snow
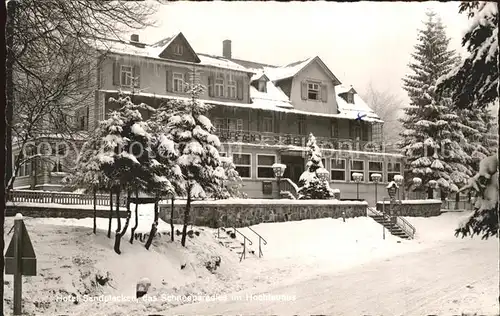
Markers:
point(484, 220)
point(310, 182)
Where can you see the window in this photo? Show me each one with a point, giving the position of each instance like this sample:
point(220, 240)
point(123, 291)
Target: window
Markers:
point(57, 165)
point(177, 82)
point(177, 49)
point(350, 98)
point(337, 169)
point(375, 167)
point(219, 85)
point(358, 166)
point(231, 86)
point(323, 161)
point(313, 91)
point(24, 168)
point(126, 76)
point(267, 124)
point(262, 86)
point(219, 124)
point(377, 132)
point(393, 168)
point(335, 129)
point(243, 164)
point(265, 166)
point(301, 124)
point(235, 124)
point(82, 123)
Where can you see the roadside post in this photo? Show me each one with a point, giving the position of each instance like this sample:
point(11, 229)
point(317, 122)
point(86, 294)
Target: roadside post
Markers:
point(20, 259)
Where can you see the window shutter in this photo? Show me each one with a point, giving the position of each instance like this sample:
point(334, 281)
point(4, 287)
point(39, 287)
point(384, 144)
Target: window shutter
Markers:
point(239, 125)
point(239, 89)
point(303, 91)
point(187, 82)
point(324, 93)
point(168, 80)
point(137, 75)
point(211, 85)
point(116, 73)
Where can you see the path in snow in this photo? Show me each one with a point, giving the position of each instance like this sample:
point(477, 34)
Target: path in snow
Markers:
point(459, 276)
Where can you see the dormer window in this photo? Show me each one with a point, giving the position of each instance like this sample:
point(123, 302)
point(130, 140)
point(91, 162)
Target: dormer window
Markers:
point(350, 98)
point(262, 85)
point(313, 91)
point(177, 49)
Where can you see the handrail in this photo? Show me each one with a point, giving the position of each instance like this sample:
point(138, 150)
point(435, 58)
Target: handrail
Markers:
point(410, 232)
point(288, 185)
point(260, 238)
point(66, 198)
point(245, 238)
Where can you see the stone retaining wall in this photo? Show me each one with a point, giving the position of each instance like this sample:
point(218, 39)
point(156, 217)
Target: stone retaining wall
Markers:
point(415, 208)
point(251, 212)
point(72, 211)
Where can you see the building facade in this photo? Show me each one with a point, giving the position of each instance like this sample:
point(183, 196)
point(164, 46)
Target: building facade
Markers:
point(263, 114)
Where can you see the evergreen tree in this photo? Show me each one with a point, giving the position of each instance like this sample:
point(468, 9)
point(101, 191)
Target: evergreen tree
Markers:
point(474, 84)
point(192, 133)
point(127, 157)
point(310, 185)
point(432, 132)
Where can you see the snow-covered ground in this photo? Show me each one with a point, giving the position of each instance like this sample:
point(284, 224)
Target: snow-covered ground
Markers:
point(69, 257)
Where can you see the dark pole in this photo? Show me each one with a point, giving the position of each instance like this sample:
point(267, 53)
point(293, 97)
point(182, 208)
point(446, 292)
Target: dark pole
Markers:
point(376, 193)
point(7, 145)
point(18, 278)
point(279, 181)
point(357, 190)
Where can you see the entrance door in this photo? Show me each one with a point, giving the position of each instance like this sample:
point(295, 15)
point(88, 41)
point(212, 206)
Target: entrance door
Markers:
point(294, 167)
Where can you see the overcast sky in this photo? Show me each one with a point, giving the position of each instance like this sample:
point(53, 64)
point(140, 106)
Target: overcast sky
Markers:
point(360, 42)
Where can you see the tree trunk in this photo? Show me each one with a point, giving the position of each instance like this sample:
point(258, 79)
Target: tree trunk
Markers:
point(430, 193)
point(117, 208)
point(172, 221)
point(154, 226)
point(95, 211)
point(132, 232)
point(118, 237)
point(110, 212)
point(7, 141)
point(186, 217)
point(457, 200)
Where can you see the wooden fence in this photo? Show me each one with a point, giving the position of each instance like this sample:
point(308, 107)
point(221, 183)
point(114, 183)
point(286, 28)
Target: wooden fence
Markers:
point(66, 198)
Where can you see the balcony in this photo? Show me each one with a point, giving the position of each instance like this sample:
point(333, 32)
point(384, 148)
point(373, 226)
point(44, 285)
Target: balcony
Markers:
point(275, 139)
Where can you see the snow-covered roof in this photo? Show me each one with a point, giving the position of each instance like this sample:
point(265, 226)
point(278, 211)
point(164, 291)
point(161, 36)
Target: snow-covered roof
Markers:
point(221, 62)
point(287, 71)
point(352, 110)
point(273, 95)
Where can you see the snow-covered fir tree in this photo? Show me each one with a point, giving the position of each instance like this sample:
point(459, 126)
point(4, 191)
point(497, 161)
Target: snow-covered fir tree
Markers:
point(433, 133)
point(192, 133)
point(474, 84)
point(127, 157)
point(310, 185)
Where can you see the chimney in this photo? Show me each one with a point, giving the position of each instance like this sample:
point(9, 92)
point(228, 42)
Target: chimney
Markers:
point(226, 49)
point(134, 38)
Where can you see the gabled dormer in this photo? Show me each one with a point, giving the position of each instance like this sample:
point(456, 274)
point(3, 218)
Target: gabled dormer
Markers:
point(176, 47)
point(259, 81)
point(348, 95)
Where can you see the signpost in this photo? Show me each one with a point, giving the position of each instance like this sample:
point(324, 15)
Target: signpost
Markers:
point(20, 259)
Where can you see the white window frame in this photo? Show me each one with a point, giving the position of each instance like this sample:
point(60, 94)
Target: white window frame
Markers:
point(244, 166)
point(231, 87)
point(177, 82)
point(128, 71)
point(351, 170)
point(392, 172)
point(344, 170)
point(314, 87)
point(219, 123)
point(265, 166)
point(239, 125)
point(350, 98)
point(381, 172)
point(219, 85)
point(262, 85)
point(178, 49)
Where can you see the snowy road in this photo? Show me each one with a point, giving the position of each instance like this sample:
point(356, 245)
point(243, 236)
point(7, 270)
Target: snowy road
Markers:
point(458, 276)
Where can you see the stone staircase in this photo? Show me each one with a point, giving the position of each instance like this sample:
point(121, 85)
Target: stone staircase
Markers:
point(392, 227)
point(227, 237)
